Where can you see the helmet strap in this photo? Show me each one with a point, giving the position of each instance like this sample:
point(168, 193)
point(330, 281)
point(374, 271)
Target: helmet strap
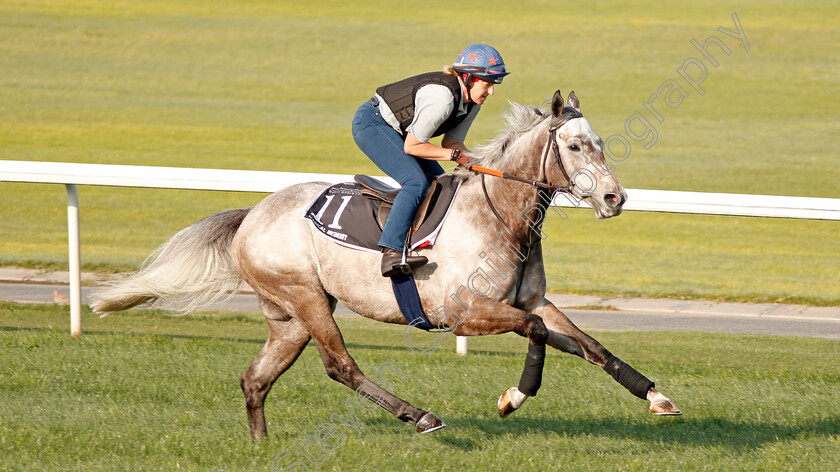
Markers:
point(466, 79)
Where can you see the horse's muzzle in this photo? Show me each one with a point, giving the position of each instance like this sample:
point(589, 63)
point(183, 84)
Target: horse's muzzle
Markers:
point(613, 203)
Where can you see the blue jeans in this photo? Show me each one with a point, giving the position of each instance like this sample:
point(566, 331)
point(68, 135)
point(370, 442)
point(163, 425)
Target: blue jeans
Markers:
point(384, 146)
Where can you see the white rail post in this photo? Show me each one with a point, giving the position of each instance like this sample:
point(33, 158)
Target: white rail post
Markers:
point(461, 345)
point(74, 256)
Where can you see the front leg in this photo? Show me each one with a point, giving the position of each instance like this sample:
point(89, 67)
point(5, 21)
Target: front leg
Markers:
point(503, 319)
point(567, 337)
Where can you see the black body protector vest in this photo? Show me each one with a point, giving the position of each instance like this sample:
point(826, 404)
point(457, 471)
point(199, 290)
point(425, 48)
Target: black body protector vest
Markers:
point(399, 97)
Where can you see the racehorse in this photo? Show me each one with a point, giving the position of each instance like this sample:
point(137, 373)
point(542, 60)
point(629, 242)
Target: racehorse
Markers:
point(485, 272)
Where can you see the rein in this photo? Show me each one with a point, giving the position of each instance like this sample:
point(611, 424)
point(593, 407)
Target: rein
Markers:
point(568, 115)
point(505, 175)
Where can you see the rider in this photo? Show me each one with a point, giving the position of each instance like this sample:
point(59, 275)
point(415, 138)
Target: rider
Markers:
point(394, 127)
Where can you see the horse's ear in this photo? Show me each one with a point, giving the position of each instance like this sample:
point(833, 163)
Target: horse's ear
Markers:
point(557, 104)
point(573, 101)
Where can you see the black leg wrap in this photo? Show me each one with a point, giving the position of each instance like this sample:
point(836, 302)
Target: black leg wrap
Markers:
point(531, 378)
point(627, 376)
point(569, 344)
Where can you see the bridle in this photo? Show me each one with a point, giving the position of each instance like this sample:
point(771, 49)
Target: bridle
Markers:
point(558, 122)
point(568, 115)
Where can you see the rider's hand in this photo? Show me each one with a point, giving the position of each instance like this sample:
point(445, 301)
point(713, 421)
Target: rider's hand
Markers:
point(464, 158)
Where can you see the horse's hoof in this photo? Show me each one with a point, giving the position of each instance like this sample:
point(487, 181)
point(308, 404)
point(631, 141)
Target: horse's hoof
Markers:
point(506, 403)
point(428, 423)
point(664, 407)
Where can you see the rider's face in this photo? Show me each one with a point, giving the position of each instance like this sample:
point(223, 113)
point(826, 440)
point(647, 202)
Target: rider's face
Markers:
point(480, 90)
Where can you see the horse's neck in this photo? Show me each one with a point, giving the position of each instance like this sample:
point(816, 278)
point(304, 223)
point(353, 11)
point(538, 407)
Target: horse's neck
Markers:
point(515, 202)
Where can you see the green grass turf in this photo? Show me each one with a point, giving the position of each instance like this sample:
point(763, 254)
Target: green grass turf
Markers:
point(273, 85)
point(145, 391)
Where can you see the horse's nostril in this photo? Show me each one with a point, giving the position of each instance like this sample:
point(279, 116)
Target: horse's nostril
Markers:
point(612, 200)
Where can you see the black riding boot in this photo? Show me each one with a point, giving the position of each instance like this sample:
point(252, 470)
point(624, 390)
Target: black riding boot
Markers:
point(392, 262)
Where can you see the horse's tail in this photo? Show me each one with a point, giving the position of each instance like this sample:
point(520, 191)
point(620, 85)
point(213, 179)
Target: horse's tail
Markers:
point(192, 269)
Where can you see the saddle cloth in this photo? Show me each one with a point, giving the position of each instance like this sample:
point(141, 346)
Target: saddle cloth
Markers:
point(353, 213)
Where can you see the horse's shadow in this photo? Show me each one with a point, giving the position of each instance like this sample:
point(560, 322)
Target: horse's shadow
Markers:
point(687, 431)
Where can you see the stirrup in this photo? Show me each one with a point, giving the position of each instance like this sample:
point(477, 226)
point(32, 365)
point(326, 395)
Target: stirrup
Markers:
point(395, 262)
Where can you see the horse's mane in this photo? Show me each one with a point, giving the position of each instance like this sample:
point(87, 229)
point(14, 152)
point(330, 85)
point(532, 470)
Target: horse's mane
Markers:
point(519, 120)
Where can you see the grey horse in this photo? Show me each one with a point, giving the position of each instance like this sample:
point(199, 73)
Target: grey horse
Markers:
point(485, 273)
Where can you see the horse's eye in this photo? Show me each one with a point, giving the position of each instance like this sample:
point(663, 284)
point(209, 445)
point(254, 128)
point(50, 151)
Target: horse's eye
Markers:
point(574, 147)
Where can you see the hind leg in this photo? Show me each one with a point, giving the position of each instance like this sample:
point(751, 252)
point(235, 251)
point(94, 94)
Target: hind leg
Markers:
point(316, 315)
point(286, 341)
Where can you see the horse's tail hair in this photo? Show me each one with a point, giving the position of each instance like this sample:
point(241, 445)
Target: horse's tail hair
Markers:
point(193, 269)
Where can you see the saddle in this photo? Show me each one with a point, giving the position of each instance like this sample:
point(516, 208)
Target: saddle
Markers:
point(376, 189)
point(354, 213)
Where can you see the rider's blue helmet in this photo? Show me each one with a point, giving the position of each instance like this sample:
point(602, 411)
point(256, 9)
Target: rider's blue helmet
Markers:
point(482, 61)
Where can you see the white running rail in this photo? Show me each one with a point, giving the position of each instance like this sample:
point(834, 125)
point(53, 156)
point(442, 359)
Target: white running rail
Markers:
point(73, 174)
